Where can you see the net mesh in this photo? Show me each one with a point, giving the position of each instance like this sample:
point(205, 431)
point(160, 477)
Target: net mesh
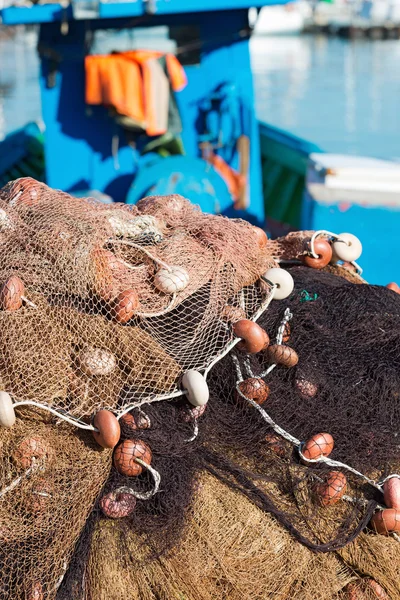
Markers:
point(107, 307)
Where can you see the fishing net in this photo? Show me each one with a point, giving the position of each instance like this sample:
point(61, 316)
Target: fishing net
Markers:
point(113, 318)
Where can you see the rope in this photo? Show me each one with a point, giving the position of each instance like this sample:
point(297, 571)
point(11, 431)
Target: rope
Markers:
point(175, 394)
point(160, 313)
point(35, 467)
point(65, 417)
point(335, 237)
point(195, 432)
point(143, 495)
point(138, 247)
point(285, 434)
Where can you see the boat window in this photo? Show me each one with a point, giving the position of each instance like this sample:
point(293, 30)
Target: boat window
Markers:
point(106, 41)
point(188, 44)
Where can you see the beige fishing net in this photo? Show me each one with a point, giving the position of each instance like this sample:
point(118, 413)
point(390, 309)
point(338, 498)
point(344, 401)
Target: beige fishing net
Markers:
point(154, 438)
point(88, 270)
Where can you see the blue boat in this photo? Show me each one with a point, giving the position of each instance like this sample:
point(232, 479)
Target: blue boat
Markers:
point(216, 153)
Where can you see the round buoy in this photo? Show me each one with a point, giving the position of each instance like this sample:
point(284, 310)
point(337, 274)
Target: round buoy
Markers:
point(332, 489)
point(171, 281)
point(324, 251)
point(96, 361)
point(254, 338)
point(391, 492)
point(280, 354)
point(117, 504)
point(196, 388)
point(283, 281)
point(28, 451)
point(7, 412)
point(11, 293)
point(192, 413)
point(255, 389)
point(125, 455)
point(319, 445)
point(347, 247)
point(386, 521)
point(109, 430)
point(125, 306)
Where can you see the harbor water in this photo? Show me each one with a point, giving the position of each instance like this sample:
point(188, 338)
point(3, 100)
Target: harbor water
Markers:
point(340, 94)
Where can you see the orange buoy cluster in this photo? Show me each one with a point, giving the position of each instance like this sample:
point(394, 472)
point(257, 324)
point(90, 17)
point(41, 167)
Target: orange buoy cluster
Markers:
point(345, 247)
point(387, 521)
point(121, 503)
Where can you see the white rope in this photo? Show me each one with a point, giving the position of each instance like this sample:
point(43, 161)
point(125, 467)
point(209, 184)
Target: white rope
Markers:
point(160, 313)
point(143, 495)
point(247, 367)
point(263, 307)
point(149, 399)
point(195, 432)
point(288, 316)
point(138, 247)
point(285, 434)
point(323, 232)
point(68, 418)
point(28, 302)
point(35, 467)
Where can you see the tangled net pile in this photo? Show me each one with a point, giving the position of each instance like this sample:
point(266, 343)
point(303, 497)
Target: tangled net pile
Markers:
point(157, 442)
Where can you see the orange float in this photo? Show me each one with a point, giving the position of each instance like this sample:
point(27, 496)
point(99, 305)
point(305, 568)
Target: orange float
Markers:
point(125, 457)
point(282, 355)
point(332, 489)
point(255, 389)
point(11, 293)
point(391, 492)
point(125, 306)
point(386, 521)
point(324, 251)
point(254, 337)
point(319, 445)
point(109, 430)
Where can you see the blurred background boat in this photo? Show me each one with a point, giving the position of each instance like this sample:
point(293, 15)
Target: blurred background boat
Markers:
point(291, 18)
point(319, 102)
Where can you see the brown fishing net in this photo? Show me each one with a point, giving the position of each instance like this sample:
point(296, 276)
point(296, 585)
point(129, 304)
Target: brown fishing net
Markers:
point(110, 307)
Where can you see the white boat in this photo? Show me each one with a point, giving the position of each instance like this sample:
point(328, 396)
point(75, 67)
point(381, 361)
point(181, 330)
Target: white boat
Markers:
point(286, 19)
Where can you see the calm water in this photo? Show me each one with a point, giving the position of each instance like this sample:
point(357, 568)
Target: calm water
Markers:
point(342, 95)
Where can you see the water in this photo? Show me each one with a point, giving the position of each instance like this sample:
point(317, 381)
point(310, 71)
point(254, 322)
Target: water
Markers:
point(342, 95)
point(19, 87)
